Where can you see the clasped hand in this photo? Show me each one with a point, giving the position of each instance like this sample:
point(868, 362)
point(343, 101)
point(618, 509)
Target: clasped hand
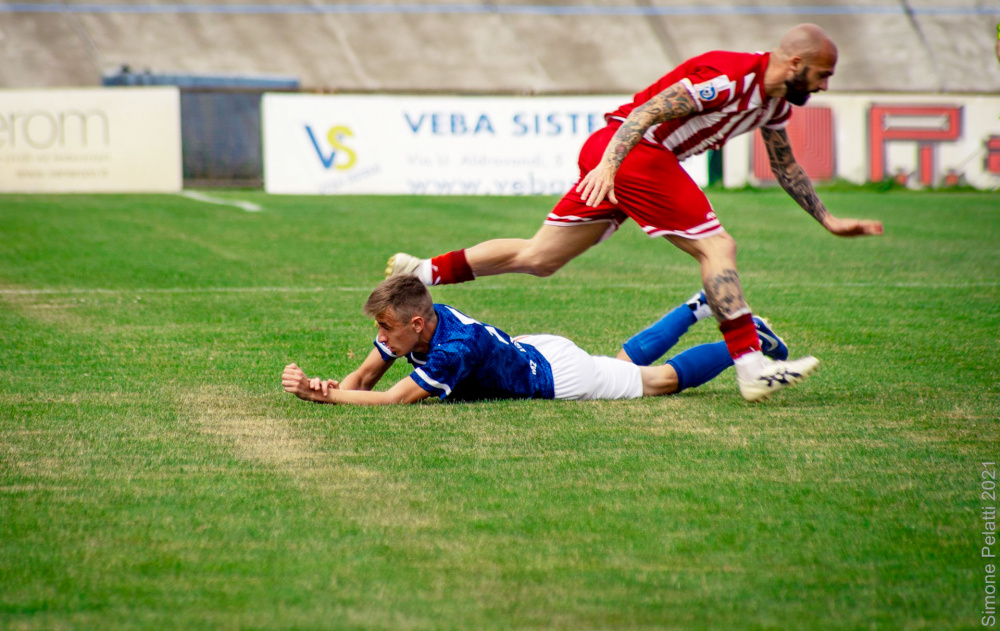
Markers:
point(295, 381)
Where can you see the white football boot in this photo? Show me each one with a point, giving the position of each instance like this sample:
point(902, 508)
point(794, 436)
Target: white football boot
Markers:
point(777, 375)
point(402, 264)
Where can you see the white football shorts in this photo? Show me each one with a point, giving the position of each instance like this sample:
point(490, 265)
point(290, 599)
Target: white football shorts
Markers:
point(579, 375)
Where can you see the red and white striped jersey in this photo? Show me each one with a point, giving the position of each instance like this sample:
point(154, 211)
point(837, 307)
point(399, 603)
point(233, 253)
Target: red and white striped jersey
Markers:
point(728, 90)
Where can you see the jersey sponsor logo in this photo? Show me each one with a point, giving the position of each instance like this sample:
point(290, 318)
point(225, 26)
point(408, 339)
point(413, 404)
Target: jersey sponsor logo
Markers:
point(707, 94)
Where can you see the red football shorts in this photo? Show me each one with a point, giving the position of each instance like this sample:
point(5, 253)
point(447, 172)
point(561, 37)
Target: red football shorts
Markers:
point(651, 187)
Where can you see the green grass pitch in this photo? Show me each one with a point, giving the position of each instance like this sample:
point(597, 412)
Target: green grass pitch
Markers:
point(154, 475)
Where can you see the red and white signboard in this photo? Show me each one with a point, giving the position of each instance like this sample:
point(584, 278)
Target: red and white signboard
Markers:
point(919, 141)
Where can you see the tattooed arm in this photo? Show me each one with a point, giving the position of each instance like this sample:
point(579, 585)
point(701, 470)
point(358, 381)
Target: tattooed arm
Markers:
point(790, 175)
point(674, 102)
point(797, 184)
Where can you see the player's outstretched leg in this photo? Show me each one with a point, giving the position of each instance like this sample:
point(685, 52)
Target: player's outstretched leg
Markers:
point(541, 255)
point(653, 342)
point(756, 377)
point(702, 363)
point(445, 269)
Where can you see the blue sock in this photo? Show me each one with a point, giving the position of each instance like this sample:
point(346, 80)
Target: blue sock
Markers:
point(700, 364)
point(652, 343)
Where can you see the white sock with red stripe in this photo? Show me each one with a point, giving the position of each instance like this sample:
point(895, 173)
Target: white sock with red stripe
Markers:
point(744, 345)
point(450, 268)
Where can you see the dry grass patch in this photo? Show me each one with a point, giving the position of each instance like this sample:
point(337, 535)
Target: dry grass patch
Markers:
point(370, 496)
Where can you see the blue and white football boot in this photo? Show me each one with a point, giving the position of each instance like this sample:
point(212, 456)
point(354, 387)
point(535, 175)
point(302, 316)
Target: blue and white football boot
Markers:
point(770, 344)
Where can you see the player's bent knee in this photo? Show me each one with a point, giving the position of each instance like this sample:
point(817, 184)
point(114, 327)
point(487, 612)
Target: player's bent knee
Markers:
point(721, 246)
point(659, 380)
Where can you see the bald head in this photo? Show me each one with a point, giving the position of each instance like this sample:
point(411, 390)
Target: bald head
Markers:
point(801, 65)
point(810, 43)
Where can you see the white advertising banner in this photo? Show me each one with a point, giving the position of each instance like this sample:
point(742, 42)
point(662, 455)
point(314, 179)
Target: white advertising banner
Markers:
point(323, 144)
point(100, 140)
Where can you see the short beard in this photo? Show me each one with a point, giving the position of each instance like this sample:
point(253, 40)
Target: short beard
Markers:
point(797, 88)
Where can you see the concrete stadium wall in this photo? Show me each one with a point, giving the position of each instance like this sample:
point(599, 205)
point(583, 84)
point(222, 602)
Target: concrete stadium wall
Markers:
point(513, 46)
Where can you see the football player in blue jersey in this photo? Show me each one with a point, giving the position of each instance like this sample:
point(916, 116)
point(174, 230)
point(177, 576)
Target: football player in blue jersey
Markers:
point(458, 358)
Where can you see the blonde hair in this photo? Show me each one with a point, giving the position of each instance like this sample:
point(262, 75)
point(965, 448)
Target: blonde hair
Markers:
point(405, 295)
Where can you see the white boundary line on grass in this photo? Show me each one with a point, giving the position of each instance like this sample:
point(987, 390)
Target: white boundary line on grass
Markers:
point(250, 207)
point(315, 290)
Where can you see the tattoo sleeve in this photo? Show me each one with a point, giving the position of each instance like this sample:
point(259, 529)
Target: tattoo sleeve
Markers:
point(674, 102)
point(790, 175)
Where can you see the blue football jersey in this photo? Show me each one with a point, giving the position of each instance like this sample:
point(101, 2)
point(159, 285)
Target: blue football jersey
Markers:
point(469, 361)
